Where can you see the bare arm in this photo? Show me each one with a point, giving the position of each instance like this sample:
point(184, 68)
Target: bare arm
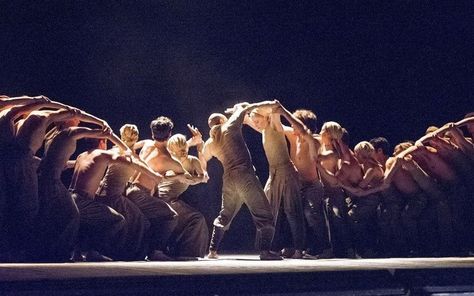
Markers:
point(296, 124)
point(240, 110)
point(118, 142)
point(327, 175)
point(205, 154)
point(138, 166)
point(427, 183)
point(139, 144)
point(7, 102)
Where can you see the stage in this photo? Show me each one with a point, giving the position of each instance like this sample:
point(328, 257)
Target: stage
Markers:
point(243, 274)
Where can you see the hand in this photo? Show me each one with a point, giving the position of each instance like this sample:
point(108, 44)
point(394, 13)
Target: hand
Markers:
point(74, 111)
point(105, 124)
point(278, 108)
point(197, 136)
point(42, 99)
point(107, 131)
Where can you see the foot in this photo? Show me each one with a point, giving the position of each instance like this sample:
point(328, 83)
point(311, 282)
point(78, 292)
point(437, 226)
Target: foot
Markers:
point(212, 255)
point(77, 257)
point(298, 254)
point(158, 255)
point(326, 254)
point(351, 254)
point(94, 256)
point(287, 252)
point(267, 255)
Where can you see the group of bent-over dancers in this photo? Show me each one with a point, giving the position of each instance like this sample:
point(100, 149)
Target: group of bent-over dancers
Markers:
point(321, 199)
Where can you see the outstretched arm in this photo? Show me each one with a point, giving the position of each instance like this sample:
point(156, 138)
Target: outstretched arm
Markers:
point(7, 102)
point(205, 154)
point(241, 109)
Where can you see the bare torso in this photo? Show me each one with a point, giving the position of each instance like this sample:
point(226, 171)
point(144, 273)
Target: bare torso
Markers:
point(434, 165)
point(61, 147)
point(32, 130)
point(89, 170)
point(403, 180)
point(302, 159)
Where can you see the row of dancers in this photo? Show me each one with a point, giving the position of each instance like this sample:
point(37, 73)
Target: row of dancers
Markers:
point(321, 200)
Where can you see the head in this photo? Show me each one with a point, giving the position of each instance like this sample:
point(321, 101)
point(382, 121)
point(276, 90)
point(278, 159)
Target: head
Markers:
point(364, 150)
point(401, 147)
point(94, 143)
point(216, 119)
point(308, 118)
point(382, 148)
point(331, 130)
point(161, 128)
point(259, 118)
point(177, 146)
point(129, 134)
point(470, 126)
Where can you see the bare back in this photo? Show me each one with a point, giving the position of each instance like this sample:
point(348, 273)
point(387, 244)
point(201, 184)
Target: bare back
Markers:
point(32, 130)
point(402, 179)
point(89, 170)
point(61, 147)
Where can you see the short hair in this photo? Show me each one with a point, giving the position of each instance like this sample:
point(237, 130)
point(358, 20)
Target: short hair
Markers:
point(161, 128)
point(129, 133)
point(381, 143)
point(177, 142)
point(308, 118)
point(364, 149)
point(260, 112)
point(402, 147)
point(345, 136)
point(334, 129)
point(215, 119)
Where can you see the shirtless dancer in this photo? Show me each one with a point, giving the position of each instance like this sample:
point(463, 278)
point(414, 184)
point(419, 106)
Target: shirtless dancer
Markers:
point(102, 228)
point(363, 210)
point(163, 219)
point(30, 133)
point(282, 187)
point(58, 219)
point(191, 235)
point(240, 184)
point(10, 110)
point(329, 159)
point(112, 193)
point(449, 210)
point(421, 194)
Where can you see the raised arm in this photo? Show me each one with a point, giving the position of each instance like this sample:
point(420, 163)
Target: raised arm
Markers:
point(240, 110)
point(6, 102)
point(205, 154)
point(296, 124)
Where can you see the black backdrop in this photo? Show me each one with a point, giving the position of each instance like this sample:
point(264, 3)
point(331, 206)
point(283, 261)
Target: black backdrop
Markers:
point(380, 68)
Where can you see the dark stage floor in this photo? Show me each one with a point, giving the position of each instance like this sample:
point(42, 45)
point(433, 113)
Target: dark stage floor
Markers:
point(243, 274)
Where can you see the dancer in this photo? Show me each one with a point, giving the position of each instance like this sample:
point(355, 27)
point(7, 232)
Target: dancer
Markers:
point(191, 235)
point(282, 188)
point(240, 184)
point(163, 219)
